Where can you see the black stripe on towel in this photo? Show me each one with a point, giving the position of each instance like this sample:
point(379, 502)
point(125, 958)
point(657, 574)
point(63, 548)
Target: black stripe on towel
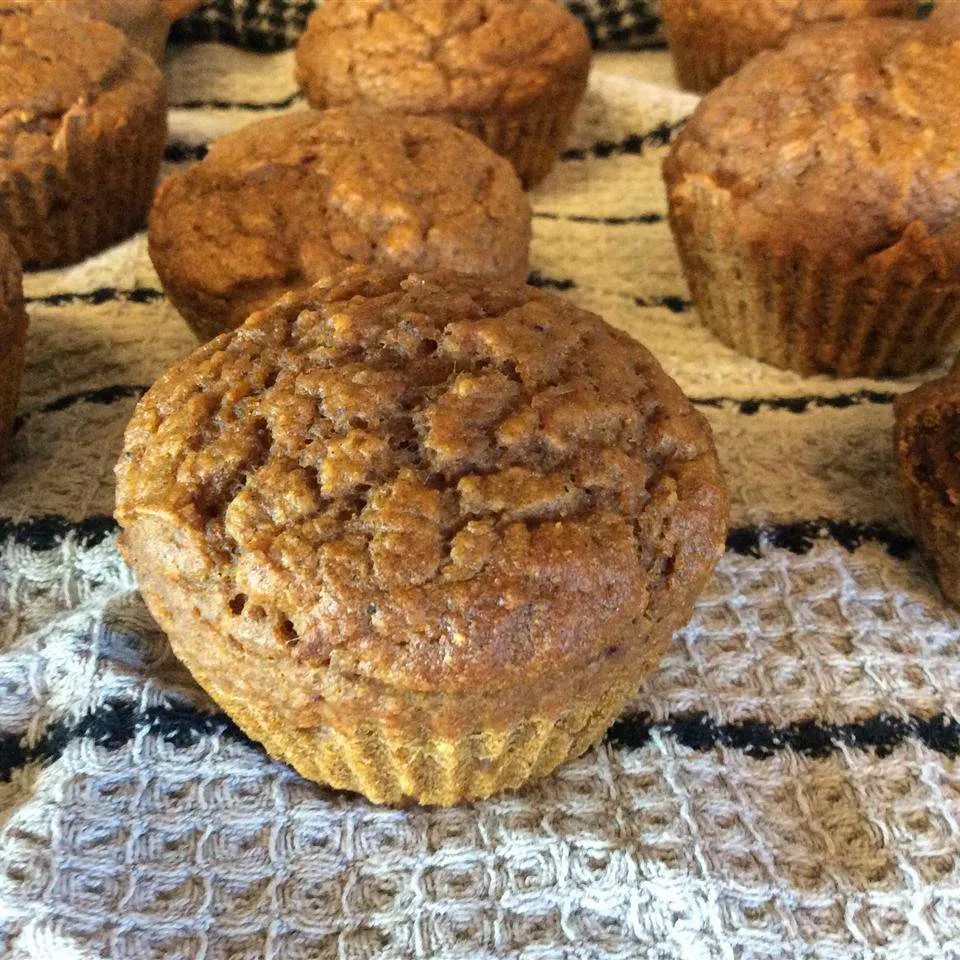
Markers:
point(253, 105)
point(634, 144)
point(799, 537)
point(98, 296)
point(798, 404)
point(102, 395)
point(47, 531)
point(641, 218)
point(177, 151)
point(116, 724)
point(537, 279)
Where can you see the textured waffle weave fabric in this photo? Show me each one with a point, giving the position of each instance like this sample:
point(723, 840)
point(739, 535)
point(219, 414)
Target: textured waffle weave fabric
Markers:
point(786, 785)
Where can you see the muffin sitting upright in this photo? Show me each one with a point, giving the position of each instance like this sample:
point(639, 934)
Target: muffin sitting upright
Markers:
point(13, 336)
point(422, 536)
point(510, 71)
point(815, 200)
point(712, 39)
point(82, 128)
point(281, 203)
point(143, 21)
point(927, 448)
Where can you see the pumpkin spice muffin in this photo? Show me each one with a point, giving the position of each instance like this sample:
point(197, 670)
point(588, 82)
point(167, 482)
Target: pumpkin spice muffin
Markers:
point(815, 201)
point(13, 337)
point(143, 21)
point(927, 448)
point(82, 128)
point(712, 39)
point(420, 536)
point(281, 203)
point(510, 71)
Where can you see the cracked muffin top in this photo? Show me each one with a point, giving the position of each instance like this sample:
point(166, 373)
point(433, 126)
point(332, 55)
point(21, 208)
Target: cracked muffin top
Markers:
point(845, 140)
point(429, 481)
point(61, 77)
point(439, 55)
point(281, 203)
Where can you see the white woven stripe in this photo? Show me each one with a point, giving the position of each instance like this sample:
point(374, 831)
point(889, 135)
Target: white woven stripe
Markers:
point(206, 848)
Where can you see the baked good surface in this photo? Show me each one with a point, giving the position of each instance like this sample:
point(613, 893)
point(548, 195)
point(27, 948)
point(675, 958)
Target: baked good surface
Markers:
point(712, 39)
point(826, 172)
point(927, 448)
point(144, 22)
point(82, 127)
point(437, 506)
point(281, 203)
point(510, 71)
point(13, 336)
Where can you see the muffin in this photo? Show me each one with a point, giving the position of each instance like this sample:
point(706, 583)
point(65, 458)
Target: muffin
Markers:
point(815, 202)
point(81, 135)
point(927, 449)
point(175, 9)
point(712, 39)
point(13, 338)
point(281, 203)
point(509, 71)
point(420, 536)
point(143, 21)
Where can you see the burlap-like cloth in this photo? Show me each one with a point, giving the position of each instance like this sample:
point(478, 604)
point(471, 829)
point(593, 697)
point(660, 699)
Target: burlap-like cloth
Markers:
point(785, 785)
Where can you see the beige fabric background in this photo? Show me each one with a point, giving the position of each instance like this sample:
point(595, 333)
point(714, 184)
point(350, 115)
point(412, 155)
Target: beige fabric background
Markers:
point(149, 845)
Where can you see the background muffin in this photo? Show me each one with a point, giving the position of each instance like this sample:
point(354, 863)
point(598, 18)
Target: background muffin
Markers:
point(927, 448)
point(13, 337)
point(510, 71)
point(143, 21)
point(281, 203)
point(712, 39)
point(421, 537)
point(82, 134)
point(815, 201)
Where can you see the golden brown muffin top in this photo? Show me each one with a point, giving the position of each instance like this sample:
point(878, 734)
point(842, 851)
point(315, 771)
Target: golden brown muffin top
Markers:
point(281, 203)
point(440, 55)
point(112, 11)
point(433, 481)
point(847, 140)
point(58, 74)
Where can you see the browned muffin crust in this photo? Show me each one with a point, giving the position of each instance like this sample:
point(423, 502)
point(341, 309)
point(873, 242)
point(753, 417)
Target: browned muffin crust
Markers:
point(82, 126)
point(143, 21)
point(827, 171)
point(712, 39)
point(13, 337)
point(927, 449)
point(281, 203)
point(477, 63)
point(436, 500)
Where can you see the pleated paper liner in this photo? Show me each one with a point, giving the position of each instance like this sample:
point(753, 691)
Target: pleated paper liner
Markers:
point(394, 766)
point(811, 312)
point(532, 138)
point(96, 192)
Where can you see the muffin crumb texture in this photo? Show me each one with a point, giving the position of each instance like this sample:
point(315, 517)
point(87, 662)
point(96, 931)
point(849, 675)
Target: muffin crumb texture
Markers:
point(277, 205)
point(436, 503)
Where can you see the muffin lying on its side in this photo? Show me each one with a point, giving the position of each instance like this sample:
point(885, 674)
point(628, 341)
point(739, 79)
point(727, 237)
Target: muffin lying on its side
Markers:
point(927, 448)
point(510, 71)
point(815, 200)
point(281, 203)
point(13, 336)
point(712, 39)
point(422, 536)
point(82, 134)
point(144, 22)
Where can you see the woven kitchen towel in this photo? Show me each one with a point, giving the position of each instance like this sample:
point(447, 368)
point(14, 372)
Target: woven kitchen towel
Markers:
point(275, 24)
point(786, 785)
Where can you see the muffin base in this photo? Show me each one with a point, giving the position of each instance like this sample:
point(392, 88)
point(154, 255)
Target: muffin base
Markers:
point(13, 340)
point(813, 312)
point(391, 767)
point(532, 139)
point(60, 213)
